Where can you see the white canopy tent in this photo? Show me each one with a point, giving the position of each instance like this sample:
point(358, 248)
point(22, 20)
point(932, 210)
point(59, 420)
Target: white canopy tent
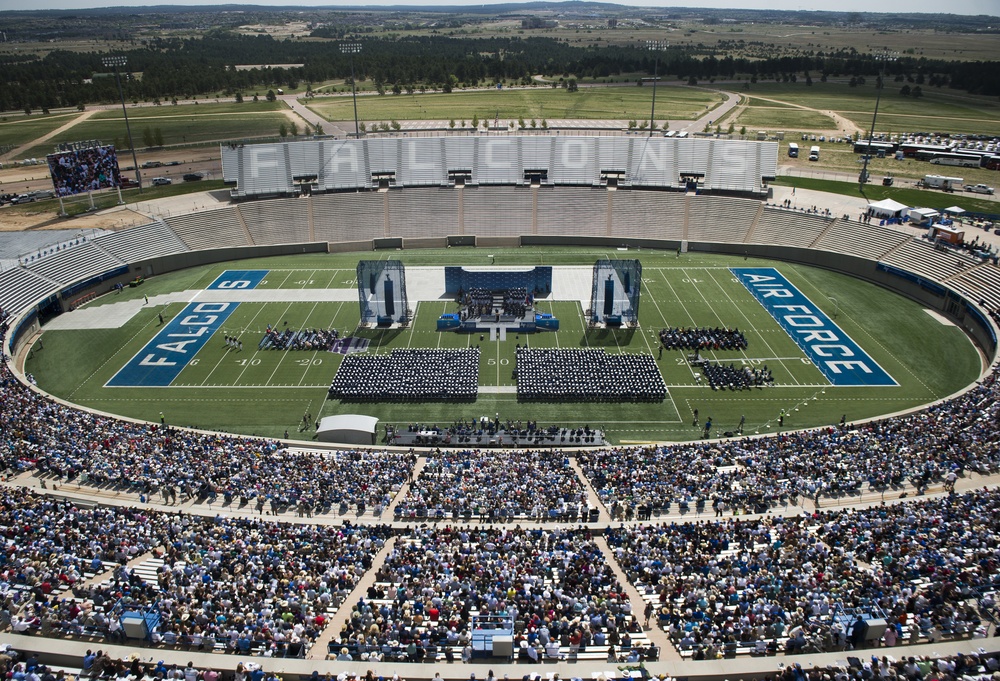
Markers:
point(352, 429)
point(887, 208)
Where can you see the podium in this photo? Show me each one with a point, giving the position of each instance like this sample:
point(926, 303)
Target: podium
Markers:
point(503, 646)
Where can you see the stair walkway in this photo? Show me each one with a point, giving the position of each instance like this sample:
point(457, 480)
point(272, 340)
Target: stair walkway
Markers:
point(318, 651)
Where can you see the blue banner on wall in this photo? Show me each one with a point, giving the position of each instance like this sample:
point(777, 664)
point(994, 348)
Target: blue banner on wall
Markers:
point(833, 352)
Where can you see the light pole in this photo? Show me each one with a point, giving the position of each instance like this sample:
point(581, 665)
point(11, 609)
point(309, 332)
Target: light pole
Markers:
point(117, 60)
point(656, 46)
point(353, 49)
point(882, 58)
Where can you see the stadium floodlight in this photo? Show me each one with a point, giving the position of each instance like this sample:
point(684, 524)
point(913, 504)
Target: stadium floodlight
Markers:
point(881, 58)
point(117, 61)
point(656, 46)
point(353, 49)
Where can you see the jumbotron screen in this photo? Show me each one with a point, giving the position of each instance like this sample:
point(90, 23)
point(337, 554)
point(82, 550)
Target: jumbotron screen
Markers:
point(84, 170)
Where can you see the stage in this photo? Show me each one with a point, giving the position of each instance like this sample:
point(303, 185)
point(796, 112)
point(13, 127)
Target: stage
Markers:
point(478, 439)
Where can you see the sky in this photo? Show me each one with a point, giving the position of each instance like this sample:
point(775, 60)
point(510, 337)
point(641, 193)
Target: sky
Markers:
point(989, 7)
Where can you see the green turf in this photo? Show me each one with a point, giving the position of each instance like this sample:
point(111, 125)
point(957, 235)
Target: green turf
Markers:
point(925, 198)
point(536, 103)
point(191, 128)
point(266, 392)
point(187, 110)
point(17, 130)
point(936, 110)
point(788, 118)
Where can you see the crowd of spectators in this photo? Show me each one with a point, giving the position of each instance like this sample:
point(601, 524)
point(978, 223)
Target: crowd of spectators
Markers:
point(246, 584)
point(953, 437)
point(84, 170)
point(305, 339)
point(554, 375)
point(554, 585)
point(25, 666)
point(67, 445)
point(732, 377)
point(927, 566)
point(702, 338)
point(496, 485)
point(406, 375)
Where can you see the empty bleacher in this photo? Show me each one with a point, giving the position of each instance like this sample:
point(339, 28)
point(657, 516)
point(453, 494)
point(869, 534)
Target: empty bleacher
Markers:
point(351, 216)
point(921, 257)
point(142, 242)
point(580, 211)
point(648, 214)
point(788, 228)
point(497, 211)
point(220, 228)
point(421, 162)
point(279, 221)
point(423, 212)
point(862, 240)
point(980, 283)
point(20, 287)
point(720, 219)
point(75, 263)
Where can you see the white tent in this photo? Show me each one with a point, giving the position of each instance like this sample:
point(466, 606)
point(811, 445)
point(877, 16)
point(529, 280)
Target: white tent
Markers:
point(353, 429)
point(887, 208)
point(955, 210)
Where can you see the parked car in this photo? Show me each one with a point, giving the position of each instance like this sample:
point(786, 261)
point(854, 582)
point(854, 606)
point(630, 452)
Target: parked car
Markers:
point(159, 181)
point(22, 198)
point(151, 164)
point(978, 189)
point(172, 163)
point(192, 177)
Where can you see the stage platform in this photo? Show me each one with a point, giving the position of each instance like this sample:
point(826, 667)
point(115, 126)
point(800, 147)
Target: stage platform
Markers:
point(559, 437)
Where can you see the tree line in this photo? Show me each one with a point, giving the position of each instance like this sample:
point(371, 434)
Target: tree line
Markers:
point(169, 68)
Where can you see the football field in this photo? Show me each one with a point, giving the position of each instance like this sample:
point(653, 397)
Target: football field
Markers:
point(189, 369)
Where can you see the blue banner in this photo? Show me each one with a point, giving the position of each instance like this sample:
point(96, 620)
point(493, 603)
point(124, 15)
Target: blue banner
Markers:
point(238, 279)
point(833, 352)
point(165, 356)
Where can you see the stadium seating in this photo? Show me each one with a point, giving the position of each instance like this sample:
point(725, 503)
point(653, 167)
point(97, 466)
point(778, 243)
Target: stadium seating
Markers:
point(788, 228)
point(497, 211)
point(150, 240)
point(864, 240)
point(980, 283)
point(342, 218)
point(921, 257)
point(649, 214)
point(279, 221)
point(572, 211)
point(219, 228)
point(719, 219)
point(423, 213)
point(776, 568)
point(20, 288)
point(78, 262)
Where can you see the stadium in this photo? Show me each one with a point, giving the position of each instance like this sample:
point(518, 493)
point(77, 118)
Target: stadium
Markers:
point(735, 557)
